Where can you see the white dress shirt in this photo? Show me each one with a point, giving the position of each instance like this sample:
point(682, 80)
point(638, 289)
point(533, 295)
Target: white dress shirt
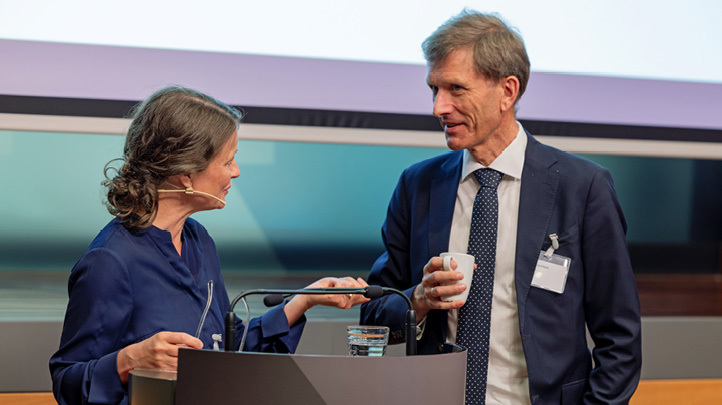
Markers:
point(507, 379)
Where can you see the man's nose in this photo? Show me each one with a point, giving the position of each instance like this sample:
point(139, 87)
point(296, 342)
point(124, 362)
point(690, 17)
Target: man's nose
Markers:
point(442, 104)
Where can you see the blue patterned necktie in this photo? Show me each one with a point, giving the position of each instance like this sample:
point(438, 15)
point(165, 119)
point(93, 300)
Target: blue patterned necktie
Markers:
point(475, 315)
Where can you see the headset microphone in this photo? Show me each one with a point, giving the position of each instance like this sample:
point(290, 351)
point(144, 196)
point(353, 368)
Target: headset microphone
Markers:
point(189, 190)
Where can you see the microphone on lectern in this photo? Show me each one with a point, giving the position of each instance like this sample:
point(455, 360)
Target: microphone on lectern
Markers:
point(372, 291)
point(410, 330)
point(272, 300)
point(275, 297)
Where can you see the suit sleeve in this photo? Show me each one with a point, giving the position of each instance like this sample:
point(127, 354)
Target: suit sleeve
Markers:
point(392, 268)
point(611, 299)
point(100, 303)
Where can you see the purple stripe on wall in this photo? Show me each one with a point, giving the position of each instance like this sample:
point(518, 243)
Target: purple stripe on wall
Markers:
point(121, 73)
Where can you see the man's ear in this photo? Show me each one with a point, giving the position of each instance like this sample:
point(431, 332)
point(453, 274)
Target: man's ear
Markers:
point(510, 87)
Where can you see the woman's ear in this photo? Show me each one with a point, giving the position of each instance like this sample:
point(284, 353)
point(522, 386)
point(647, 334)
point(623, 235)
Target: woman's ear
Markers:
point(185, 180)
point(179, 181)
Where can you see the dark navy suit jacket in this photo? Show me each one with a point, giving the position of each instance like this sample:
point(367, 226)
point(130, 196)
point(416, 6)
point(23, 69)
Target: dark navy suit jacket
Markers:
point(562, 194)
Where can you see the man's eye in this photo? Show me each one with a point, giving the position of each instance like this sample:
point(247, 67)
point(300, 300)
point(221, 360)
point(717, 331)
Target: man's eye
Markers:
point(457, 87)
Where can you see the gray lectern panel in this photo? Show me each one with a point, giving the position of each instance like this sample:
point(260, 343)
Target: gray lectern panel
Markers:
point(259, 378)
point(433, 379)
point(152, 387)
point(231, 378)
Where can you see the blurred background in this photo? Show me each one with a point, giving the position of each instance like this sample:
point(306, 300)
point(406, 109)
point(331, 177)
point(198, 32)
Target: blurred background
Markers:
point(336, 107)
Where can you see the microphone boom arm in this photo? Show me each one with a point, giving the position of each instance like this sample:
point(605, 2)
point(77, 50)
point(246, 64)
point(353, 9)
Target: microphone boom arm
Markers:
point(369, 292)
point(410, 324)
point(230, 319)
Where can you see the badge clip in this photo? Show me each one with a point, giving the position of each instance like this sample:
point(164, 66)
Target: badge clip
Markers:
point(555, 245)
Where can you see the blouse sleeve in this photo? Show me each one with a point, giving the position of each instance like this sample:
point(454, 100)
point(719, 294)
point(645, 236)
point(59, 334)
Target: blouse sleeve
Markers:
point(270, 333)
point(100, 303)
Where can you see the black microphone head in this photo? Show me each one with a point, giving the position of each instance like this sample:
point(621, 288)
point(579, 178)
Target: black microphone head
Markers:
point(272, 300)
point(374, 291)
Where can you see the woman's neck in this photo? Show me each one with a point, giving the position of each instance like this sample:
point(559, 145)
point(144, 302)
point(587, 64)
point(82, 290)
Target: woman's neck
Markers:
point(171, 217)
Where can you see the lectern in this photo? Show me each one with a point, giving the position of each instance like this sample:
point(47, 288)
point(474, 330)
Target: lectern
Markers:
point(206, 377)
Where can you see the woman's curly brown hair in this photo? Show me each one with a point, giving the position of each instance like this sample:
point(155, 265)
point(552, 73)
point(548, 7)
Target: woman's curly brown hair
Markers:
point(175, 131)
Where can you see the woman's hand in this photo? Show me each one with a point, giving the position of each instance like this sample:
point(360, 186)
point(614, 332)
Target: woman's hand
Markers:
point(344, 301)
point(158, 352)
point(299, 304)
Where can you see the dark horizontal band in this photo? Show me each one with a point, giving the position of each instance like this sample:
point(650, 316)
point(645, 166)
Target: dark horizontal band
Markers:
point(82, 107)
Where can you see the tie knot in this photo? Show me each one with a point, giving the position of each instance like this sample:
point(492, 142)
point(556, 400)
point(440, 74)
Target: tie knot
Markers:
point(488, 177)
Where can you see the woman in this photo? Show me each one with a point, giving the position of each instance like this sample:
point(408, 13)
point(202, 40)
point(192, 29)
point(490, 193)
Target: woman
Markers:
point(150, 282)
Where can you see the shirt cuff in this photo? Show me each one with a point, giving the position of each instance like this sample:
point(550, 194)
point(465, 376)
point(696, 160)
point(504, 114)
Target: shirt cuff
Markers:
point(420, 327)
point(105, 386)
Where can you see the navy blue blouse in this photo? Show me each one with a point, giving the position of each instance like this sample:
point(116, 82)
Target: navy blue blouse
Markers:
point(130, 285)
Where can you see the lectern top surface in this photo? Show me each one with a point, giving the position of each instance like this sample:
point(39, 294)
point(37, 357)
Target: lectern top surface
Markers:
point(159, 374)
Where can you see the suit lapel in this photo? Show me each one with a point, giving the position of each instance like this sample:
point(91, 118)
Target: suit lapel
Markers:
point(539, 183)
point(442, 197)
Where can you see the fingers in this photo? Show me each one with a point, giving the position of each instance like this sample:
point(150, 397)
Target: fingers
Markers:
point(342, 282)
point(348, 282)
point(432, 297)
point(435, 296)
point(353, 299)
point(357, 299)
point(160, 351)
point(344, 301)
point(434, 273)
point(163, 348)
point(436, 264)
point(180, 339)
point(322, 283)
point(436, 284)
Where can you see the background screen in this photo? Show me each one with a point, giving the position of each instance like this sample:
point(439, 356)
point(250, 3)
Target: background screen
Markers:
point(640, 63)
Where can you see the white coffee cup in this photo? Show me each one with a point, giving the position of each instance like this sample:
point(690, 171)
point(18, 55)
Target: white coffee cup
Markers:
point(465, 266)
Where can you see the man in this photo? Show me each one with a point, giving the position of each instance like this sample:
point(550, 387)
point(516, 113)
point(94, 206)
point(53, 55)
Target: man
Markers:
point(546, 229)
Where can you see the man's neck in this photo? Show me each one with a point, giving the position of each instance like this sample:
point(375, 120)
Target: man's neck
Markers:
point(488, 151)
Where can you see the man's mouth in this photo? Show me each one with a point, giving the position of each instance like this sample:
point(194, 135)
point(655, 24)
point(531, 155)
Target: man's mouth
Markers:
point(450, 124)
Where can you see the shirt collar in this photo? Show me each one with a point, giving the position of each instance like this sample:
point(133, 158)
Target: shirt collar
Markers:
point(509, 162)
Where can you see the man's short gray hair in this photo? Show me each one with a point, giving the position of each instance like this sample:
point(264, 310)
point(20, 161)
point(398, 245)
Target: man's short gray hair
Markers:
point(498, 49)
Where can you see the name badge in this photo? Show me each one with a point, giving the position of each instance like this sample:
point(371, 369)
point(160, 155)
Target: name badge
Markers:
point(551, 272)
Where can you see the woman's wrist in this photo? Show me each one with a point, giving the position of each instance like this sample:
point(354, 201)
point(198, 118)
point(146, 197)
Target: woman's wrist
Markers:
point(304, 302)
point(123, 365)
point(296, 307)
